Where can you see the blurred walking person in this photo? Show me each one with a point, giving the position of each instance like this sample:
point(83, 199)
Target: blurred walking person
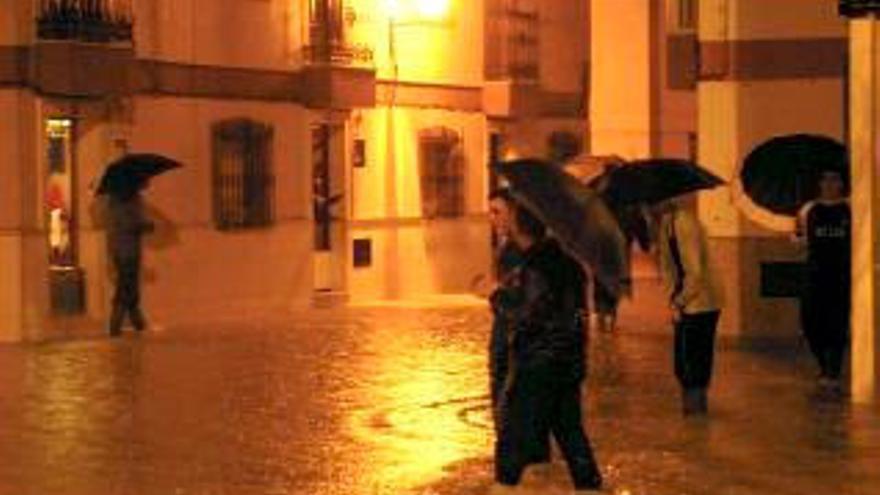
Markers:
point(126, 224)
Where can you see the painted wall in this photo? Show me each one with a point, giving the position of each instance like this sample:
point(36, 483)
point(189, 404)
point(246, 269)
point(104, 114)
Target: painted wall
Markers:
point(412, 257)
point(398, 130)
point(735, 115)
point(564, 50)
point(191, 268)
point(620, 84)
point(17, 22)
point(231, 33)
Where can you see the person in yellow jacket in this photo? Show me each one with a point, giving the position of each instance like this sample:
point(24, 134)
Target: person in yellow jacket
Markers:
point(694, 295)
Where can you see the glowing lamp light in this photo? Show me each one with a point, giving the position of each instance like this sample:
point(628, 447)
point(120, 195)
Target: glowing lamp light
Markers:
point(424, 9)
point(432, 9)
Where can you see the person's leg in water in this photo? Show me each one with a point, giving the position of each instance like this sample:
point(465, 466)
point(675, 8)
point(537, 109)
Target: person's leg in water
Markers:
point(694, 358)
point(606, 307)
point(567, 428)
point(135, 313)
point(523, 434)
point(122, 295)
point(126, 300)
point(811, 315)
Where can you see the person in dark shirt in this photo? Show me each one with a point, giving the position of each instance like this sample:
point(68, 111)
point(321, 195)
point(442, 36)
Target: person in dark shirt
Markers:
point(825, 224)
point(542, 302)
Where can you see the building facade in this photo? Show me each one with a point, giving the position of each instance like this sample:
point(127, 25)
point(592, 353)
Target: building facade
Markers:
point(332, 150)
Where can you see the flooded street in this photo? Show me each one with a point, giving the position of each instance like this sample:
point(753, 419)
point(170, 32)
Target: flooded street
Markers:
point(393, 400)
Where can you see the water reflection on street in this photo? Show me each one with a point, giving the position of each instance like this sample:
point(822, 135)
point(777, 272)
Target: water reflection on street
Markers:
point(393, 401)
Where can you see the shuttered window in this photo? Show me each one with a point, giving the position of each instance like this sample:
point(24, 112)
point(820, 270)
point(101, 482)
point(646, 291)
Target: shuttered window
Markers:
point(242, 174)
point(442, 173)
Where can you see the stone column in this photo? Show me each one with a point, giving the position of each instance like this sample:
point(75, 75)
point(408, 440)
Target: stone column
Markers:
point(864, 136)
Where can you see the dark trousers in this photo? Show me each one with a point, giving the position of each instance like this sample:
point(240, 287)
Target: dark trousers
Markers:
point(499, 358)
point(825, 319)
point(604, 300)
point(541, 401)
point(695, 348)
point(126, 299)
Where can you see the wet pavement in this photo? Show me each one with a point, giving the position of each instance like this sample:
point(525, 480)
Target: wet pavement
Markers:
point(392, 400)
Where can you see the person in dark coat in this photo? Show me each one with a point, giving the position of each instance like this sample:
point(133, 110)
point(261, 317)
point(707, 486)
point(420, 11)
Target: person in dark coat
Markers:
point(825, 223)
point(126, 224)
point(507, 258)
point(542, 303)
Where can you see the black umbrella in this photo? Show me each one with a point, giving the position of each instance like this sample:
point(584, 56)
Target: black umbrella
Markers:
point(783, 173)
point(653, 180)
point(131, 172)
point(575, 214)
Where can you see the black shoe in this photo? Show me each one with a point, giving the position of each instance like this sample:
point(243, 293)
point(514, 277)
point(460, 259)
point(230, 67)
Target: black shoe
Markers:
point(694, 402)
point(594, 482)
point(137, 320)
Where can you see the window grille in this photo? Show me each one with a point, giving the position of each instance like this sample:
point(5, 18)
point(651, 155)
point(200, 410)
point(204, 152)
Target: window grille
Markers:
point(242, 174)
point(687, 15)
point(442, 173)
point(512, 39)
point(85, 20)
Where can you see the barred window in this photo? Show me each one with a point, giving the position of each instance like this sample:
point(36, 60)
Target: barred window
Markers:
point(242, 174)
point(687, 15)
point(441, 167)
point(512, 39)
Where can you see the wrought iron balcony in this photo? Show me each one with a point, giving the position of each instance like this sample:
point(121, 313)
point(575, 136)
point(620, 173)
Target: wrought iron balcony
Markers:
point(858, 8)
point(99, 21)
point(334, 53)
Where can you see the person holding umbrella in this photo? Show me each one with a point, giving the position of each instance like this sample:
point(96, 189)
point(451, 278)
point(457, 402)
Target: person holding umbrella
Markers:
point(122, 184)
point(541, 303)
point(662, 185)
point(694, 295)
point(508, 257)
point(799, 181)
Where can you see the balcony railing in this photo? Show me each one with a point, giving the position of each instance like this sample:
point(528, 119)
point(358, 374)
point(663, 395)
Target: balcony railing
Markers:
point(98, 21)
point(329, 21)
point(334, 53)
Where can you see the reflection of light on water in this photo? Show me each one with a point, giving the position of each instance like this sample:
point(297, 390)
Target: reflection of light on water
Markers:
point(423, 409)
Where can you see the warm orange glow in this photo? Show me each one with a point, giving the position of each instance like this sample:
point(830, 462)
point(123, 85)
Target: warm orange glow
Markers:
point(419, 418)
point(432, 9)
point(423, 9)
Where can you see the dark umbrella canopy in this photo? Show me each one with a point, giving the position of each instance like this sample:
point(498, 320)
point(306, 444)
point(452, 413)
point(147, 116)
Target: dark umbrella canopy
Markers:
point(653, 180)
point(783, 173)
point(131, 172)
point(576, 215)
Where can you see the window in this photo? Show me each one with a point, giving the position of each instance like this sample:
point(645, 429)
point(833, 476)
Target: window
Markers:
point(687, 14)
point(512, 39)
point(682, 15)
point(85, 20)
point(359, 153)
point(562, 146)
point(242, 174)
point(441, 166)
